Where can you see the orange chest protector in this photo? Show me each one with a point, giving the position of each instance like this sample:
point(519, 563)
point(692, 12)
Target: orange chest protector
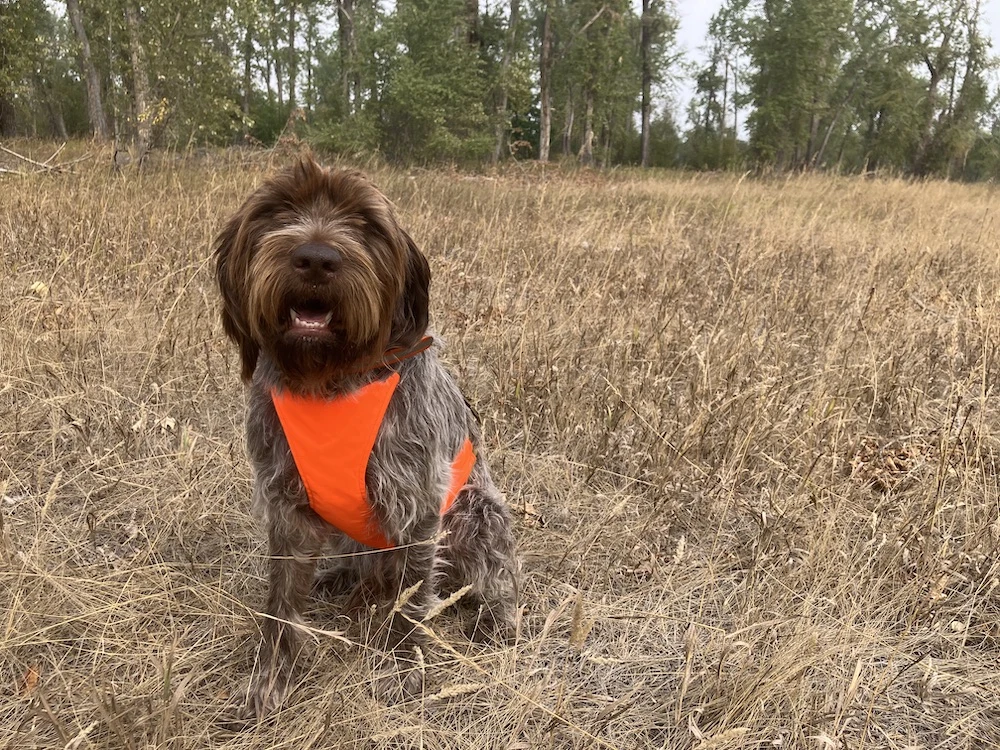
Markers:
point(331, 442)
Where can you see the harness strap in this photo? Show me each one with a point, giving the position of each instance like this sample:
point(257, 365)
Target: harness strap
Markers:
point(331, 440)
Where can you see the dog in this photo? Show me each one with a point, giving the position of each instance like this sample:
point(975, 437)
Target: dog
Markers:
point(359, 439)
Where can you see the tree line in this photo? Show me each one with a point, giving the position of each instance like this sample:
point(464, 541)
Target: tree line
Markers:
point(844, 85)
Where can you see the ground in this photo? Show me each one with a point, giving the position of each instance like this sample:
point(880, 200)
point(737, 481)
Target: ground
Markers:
point(748, 426)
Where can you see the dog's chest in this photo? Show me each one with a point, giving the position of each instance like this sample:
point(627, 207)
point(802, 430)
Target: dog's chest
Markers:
point(331, 442)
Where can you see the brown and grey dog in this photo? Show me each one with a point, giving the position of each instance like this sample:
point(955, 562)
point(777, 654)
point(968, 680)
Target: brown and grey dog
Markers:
point(324, 293)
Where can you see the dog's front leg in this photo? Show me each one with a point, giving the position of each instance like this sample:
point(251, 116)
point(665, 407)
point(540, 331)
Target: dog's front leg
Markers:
point(295, 539)
point(407, 577)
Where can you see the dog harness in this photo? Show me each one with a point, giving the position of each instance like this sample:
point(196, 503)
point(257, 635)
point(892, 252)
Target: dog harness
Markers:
point(331, 442)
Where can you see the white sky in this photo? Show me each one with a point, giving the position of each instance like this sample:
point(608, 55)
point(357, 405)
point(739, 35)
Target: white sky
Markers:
point(695, 14)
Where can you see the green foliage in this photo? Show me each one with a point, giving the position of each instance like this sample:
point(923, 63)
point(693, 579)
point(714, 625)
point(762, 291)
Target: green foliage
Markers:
point(22, 23)
point(983, 162)
point(902, 85)
point(666, 144)
point(524, 133)
point(269, 118)
point(189, 41)
point(796, 48)
point(597, 66)
point(23, 26)
point(423, 84)
point(834, 84)
point(431, 104)
point(357, 135)
point(712, 140)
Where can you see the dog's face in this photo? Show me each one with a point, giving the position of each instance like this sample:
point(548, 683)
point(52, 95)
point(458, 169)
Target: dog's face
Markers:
point(315, 271)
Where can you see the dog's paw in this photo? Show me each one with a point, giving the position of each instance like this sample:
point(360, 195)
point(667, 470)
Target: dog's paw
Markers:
point(267, 692)
point(398, 678)
point(260, 700)
point(488, 627)
point(334, 582)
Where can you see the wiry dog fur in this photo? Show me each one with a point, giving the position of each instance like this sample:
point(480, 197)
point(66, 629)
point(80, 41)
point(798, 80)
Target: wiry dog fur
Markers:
point(327, 242)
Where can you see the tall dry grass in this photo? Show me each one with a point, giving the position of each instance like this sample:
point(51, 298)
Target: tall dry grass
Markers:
point(749, 430)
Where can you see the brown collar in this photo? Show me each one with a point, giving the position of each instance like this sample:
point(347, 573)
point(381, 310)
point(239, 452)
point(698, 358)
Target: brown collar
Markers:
point(398, 354)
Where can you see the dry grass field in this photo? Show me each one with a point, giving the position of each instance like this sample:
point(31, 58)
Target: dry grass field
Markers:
point(750, 430)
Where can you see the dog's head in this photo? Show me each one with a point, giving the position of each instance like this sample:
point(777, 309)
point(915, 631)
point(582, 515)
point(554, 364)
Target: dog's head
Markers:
point(315, 271)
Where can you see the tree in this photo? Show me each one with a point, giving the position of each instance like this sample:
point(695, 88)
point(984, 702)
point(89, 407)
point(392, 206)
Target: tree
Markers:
point(431, 100)
point(293, 56)
point(19, 32)
point(545, 83)
point(511, 46)
point(95, 105)
point(947, 33)
point(596, 43)
point(348, 55)
point(658, 32)
point(140, 84)
point(796, 49)
point(595, 48)
point(818, 84)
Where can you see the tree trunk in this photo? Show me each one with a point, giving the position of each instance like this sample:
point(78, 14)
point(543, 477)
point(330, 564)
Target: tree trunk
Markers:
point(843, 144)
point(275, 56)
point(293, 59)
point(587, 147)
point(927, 130)
point(310, 49)
point(348, 50)
point(267, 76)
point(736, 101)
point(818, 159)
point(472, 19)
point(605, 145)
point(567, 136)
point(247, 70)
point(57, 125)
point(8, 123)
point(140, 86)
point(95, 107)
point(545, 85)
point(725, 95)
point(951, 89)
point(503, 119)
point(645, 44)
point(722, 114)
point(811, 142)
point(936, 72)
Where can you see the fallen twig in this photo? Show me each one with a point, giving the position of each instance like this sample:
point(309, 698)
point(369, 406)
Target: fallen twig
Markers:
point(55, 154)
point(40, 166)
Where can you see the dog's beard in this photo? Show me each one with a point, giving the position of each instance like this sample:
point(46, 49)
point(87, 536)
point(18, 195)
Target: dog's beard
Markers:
point(319, 331)
point(322, 360)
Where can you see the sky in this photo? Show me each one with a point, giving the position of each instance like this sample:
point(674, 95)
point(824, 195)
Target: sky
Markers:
point(695, 14)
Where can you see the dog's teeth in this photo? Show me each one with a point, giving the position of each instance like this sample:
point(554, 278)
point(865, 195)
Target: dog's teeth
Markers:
point(300, 322)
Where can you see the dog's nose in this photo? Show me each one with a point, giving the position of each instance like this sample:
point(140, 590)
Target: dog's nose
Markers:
point(316, 261)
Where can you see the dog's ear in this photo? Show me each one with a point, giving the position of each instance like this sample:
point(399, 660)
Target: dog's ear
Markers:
point(231, 266)
point(413, 313)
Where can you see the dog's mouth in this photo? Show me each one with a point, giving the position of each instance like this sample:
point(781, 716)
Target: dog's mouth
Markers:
point(310, 318)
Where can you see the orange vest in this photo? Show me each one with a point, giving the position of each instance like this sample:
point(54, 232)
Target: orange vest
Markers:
point(331, 441)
